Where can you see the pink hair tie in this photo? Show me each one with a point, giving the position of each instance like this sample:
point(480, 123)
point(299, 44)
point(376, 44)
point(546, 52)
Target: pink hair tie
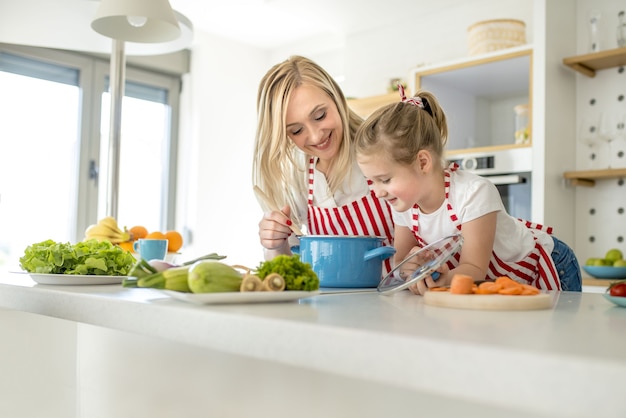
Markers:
point(415, 101)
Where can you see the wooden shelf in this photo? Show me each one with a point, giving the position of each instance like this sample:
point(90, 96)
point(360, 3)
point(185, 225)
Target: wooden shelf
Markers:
point(367, 105)
point(588, 178)
point(588, 64)
point(590, 281)
point(487, 149)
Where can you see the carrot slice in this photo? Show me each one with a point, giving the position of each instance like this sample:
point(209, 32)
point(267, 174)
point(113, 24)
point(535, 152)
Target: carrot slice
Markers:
point(506, 281)
point(439, 289)
point(488, 288)
point(529, 290)
point(461, 284)
point(517, 290)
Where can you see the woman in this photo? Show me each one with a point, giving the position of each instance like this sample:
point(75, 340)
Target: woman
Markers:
point(304, 160)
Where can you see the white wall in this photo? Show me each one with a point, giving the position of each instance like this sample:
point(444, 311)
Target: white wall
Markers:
point(217, 202)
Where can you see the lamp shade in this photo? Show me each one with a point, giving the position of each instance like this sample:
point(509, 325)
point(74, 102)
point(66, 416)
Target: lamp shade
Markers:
point(149, 21)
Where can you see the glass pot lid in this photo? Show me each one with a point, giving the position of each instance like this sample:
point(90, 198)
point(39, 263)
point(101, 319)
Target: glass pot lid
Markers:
point(429, 258)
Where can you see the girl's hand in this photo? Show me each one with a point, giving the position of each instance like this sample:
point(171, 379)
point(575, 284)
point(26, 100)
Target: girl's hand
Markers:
point(274, 229)
point(412, 263)
point(440, 279)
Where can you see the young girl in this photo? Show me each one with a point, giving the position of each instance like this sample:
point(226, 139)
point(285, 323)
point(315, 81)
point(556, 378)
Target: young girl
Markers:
point(400, 149)
point(305, 163)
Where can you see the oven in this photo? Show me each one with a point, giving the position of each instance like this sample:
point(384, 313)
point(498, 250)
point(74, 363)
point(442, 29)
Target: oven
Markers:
point(510, 170)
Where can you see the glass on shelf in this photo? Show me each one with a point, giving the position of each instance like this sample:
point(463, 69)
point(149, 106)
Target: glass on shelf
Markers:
point(610, 128)
point(594, 30)
point(588, 136)
point(620, 134)
point(522, 134)
point(621, 29)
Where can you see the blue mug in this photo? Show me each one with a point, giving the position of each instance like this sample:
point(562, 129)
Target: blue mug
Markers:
point(151, 249)
point(345, 261)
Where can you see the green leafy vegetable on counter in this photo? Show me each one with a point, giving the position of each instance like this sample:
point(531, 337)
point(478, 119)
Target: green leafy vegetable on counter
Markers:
point(90, 257)
point(297, 275)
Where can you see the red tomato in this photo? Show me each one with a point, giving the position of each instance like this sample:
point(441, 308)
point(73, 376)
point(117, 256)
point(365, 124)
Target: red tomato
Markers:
point(618, 290)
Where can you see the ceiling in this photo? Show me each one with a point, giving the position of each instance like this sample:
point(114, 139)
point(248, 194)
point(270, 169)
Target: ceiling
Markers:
point(274, 23)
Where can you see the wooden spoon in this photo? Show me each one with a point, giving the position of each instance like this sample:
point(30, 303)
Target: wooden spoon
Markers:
point(261, 195)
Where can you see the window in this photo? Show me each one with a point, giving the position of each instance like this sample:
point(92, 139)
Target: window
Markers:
point(144, 165)
point(53, 142)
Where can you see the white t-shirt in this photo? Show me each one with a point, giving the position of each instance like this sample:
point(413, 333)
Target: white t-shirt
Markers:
point(471, 197)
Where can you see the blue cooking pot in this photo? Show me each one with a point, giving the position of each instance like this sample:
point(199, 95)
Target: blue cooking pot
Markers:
point(344, 261)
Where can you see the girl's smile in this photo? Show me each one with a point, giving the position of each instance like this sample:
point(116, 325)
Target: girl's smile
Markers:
point(395, 183)
point(403, 186)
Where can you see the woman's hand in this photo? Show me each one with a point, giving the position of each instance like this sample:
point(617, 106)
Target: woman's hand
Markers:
point(274, 229)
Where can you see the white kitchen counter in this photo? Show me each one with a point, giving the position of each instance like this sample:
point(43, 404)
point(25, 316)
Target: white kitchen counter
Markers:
point(569, 361)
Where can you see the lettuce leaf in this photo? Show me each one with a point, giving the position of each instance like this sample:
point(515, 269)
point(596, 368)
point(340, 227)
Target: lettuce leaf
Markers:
point(90, 257)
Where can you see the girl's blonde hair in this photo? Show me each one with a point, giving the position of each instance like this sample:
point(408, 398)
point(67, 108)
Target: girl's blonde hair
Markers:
point(402, 129)
point(279, 168)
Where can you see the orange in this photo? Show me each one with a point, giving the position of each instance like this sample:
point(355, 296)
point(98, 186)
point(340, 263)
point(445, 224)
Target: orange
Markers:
point(174, 241)
point(155, 235)
point(127, 245)
point(138, 232)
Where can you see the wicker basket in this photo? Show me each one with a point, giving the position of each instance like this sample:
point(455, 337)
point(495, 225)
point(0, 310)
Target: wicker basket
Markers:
point(492, 35)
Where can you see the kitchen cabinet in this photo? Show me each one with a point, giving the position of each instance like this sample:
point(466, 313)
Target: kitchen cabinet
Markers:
point(480, 95)
point(588, 64)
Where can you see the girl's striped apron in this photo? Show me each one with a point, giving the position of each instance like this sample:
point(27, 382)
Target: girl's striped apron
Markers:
point(367, 216)
point(536, 269)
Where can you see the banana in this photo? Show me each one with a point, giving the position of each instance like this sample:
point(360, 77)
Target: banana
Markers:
point(107, 230)
point(101, 238)
point(99, 229)
point(111, 223)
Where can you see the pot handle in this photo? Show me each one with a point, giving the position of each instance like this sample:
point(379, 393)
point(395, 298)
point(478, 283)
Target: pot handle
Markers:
point(295, 249)
point(383, 252)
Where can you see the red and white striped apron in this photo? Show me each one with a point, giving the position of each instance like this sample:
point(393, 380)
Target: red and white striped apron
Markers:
point(536, 269)
point(367, 216)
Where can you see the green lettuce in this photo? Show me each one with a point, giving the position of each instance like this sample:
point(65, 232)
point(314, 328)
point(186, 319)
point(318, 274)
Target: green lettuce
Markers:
point(90, 257)
point(297, 275)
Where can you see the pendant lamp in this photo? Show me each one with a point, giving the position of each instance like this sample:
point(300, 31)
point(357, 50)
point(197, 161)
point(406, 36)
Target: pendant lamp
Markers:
point(144, 21)
point(149, 21)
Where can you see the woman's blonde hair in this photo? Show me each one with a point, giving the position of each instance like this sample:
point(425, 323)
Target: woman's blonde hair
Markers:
point(402, 129)
point(279, 168)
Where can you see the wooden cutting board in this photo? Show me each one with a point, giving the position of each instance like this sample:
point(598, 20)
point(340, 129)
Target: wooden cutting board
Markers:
point(489, 302)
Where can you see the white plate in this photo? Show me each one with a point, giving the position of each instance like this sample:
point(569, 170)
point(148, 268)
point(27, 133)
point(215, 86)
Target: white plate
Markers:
point(75, 279)
point(239, 297)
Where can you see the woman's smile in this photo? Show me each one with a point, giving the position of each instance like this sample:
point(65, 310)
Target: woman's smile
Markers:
point(324, 145)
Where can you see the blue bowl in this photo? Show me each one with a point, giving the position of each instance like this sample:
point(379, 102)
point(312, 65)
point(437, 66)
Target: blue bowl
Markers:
point(606, 272)
point(618, 300)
